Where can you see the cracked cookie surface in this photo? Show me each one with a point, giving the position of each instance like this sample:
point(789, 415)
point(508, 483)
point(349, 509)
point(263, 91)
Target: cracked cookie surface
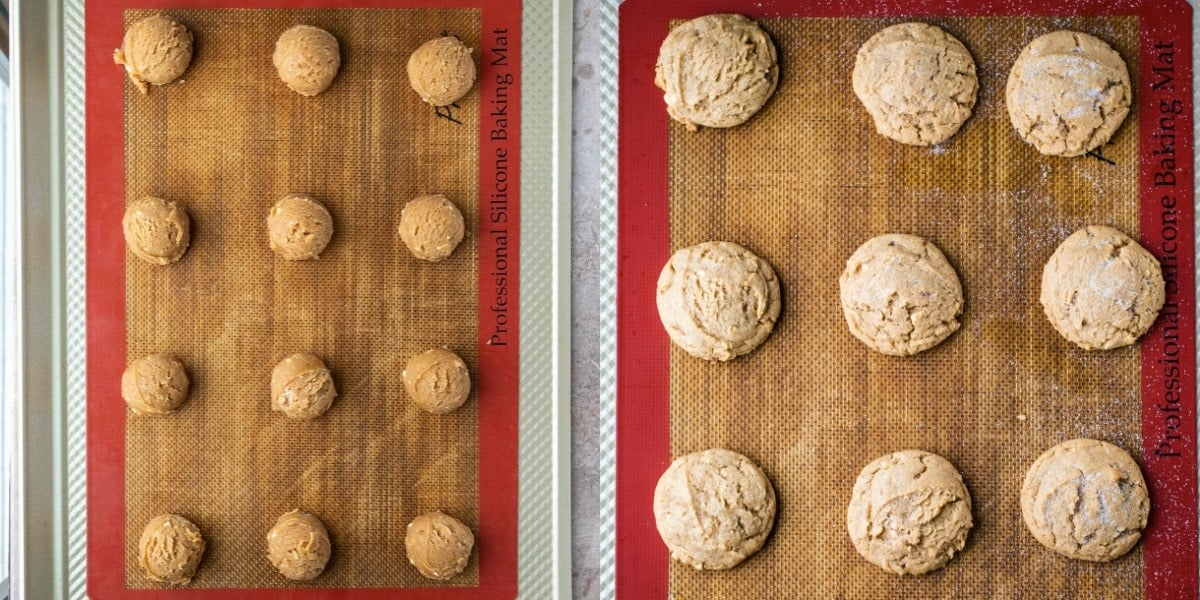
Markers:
point(917, 82)
point(1101, 290)
point(713, 508)
point(718, 300)
point(1067, 93)
point(909, 512)
point(900, 295)
point(1085, 499)
point(716, 71)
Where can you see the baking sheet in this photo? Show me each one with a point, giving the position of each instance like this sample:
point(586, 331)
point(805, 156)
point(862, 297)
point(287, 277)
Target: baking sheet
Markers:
point(51, 509)
point(803, 184)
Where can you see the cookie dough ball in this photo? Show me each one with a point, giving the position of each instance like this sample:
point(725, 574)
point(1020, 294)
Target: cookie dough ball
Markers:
point(900, 295)
point(441, 70)
point(438, 545)
point(717, 71)
point(154, 385)
point(157, 231)
point(156, 50)
point(307, 59)
point(1085, 499)
point(299, 227)
point(301, 387)
point(713, 508)
point(298, 545)
point(718, 300)
point(431, 226)
point(1068, 93)
point(1101, 290)
point(917, 81)
point(437, 380)
point(909, 512)
point(170, 549)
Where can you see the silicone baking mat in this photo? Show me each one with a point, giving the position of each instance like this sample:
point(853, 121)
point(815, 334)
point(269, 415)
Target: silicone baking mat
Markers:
point(803, 184)
point(227, 141)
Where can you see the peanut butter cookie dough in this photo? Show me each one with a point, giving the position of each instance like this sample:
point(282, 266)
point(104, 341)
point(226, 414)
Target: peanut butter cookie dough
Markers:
point(1068, 93)
point(437, 380)
point(307, 59)
point(157, 231)
point(1085, 499)
point(431, 226)
point(441, 70)
point(298, 546)
point(716, 71)
point(909, 512)
point(713, 508)
point(900, 295)
point(299, 227)
point(170, 549)
point(1101, 290)
point(718, 300)
point(438, 545)
point(154, 385)
point(917, 81)
point(156, 50)
point(301, 387)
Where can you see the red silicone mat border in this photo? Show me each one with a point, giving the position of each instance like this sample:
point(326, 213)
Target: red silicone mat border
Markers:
point(497, 380)
point(1168, 355)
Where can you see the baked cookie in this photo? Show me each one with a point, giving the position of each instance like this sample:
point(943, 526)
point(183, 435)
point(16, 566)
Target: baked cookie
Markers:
point(307, 59)
point(716, 70)
point(1101, 290)
point(154, 385)
point(1068, 93)
point(298, 546)
point(909, 512)
point(718, 300)
point(302, 387)
point(157, 231)
point(917, 81)
point(1085, 499)
point(438, 545)
point(713, 508)
point(900, 295)
point(441, 70)
point(170, 549)
point(156, 50)
point(299, 227)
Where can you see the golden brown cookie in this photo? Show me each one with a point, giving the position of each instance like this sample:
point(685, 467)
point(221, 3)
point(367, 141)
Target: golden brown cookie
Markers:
point(713, 508)
point(716, 71)
point(917, 82)
point(909, 512)
point(1085, 499)
point(899, 294)
point(1067, 93)
point(1101, 290)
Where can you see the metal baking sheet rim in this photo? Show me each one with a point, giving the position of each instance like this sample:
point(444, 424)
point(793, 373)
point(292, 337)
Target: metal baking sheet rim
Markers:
point(43, 232)
point(607, 78)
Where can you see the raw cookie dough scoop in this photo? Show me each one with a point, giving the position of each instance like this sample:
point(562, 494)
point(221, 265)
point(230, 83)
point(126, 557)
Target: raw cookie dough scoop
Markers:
point(156, 50)
point(441, 70)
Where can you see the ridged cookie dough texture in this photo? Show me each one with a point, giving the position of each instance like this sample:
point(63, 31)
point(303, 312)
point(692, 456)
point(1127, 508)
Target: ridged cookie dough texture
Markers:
point(1101, 290)
point(170, 549)
point(157, 231)
point(718, 300)
point(307, 59)
point(909, 512)
point(716, 71)
point(437, 380)
point(299, 227)
point(155, 384)
point(302, 387)
point(900, 295)
point(917, 82)
point(156, 50)
point(438, 545)
point(441, 70)
point(1085, 499)
point(713, 508)
point(1068, 92)
point(298, 546)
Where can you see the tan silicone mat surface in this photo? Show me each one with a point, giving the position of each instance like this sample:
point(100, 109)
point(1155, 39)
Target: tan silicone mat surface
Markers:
point(803, 184)
point(226, 143)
